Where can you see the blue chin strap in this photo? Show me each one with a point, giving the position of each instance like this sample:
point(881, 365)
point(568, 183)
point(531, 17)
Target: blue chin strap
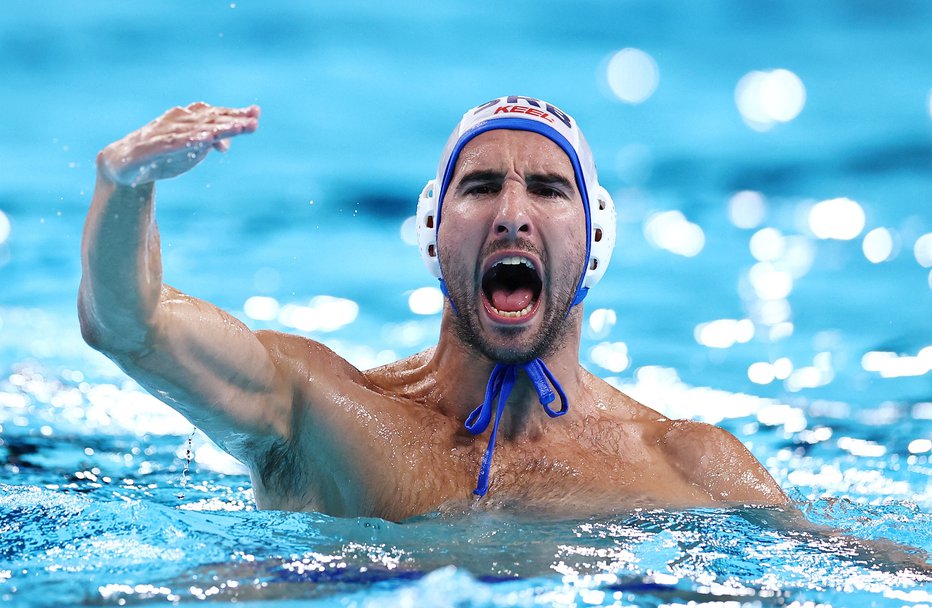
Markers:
point(501, 382)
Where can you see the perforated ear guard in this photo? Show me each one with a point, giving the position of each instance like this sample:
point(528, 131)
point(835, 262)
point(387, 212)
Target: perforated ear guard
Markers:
point(426, 219)
point(601, 235)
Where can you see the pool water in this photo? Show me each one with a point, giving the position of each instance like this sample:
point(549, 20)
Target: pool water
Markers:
point(770, 277)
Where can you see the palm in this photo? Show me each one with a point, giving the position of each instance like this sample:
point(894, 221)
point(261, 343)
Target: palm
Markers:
point(174, 142)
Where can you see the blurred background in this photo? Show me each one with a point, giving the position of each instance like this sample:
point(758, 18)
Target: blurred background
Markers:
point(770, 162)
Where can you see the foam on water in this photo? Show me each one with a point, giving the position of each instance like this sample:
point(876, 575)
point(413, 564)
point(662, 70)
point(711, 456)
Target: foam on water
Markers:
point(100, 511)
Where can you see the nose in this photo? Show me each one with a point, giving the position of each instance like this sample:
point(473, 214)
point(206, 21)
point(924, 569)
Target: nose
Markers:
point(512, 220)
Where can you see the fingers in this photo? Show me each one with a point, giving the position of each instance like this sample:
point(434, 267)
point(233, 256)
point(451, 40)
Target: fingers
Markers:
point(200, 124)
point(204, 110)
point(175, 142)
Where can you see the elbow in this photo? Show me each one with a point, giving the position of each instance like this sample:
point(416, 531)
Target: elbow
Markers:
point(111, 336)
point(90, 329)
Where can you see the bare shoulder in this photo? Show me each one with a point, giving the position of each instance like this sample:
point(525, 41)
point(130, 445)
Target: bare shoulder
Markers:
point(712, 458)
point(305, 358)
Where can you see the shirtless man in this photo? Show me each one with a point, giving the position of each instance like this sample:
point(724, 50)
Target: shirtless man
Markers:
point(517, 229)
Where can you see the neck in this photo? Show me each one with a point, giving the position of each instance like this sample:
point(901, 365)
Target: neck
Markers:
point(461, 374)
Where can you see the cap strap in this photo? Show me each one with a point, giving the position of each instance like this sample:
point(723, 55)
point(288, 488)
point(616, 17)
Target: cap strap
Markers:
point(501, 382)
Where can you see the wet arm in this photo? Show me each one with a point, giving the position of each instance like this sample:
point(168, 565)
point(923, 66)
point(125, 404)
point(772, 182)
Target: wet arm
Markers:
point(194, 356)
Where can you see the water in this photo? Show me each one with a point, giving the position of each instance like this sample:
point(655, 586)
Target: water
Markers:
point(830, 388)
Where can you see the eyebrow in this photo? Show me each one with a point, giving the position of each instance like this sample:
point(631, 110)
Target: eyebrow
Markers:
point(550, 179)
point(533, 179)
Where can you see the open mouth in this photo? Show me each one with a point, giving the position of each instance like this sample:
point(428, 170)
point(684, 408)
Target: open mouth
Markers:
point(512, 287)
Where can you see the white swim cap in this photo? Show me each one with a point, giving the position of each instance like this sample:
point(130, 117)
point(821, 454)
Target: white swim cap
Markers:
point(524, 114)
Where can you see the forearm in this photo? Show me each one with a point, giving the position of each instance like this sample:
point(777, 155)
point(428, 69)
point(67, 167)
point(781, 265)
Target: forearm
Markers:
point(122, 267)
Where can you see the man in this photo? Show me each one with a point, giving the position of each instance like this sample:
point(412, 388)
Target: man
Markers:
point(517, 229)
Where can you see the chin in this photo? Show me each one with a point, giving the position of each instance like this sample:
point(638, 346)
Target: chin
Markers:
point(519, 344)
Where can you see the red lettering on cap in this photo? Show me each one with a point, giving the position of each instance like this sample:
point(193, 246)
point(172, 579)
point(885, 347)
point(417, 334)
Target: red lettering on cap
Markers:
point(516, 109)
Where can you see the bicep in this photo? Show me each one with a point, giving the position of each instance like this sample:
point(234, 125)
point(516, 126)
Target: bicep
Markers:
point(213, 369)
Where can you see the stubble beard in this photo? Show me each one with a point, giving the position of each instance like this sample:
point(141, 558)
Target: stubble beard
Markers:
point(550, 334)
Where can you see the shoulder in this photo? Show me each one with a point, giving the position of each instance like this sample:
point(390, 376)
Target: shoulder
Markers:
point(305, 358)
point(712, 458)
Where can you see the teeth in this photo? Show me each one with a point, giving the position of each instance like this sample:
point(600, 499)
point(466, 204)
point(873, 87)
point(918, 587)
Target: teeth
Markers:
point(517, 313)
point(515, 260)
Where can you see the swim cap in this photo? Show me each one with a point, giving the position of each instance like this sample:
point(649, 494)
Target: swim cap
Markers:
point(523, 114)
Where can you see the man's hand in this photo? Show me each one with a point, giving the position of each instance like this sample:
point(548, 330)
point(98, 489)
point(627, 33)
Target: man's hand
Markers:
point(174, 143)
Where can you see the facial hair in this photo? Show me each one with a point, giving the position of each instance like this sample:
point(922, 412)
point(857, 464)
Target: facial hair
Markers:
point(562, 281)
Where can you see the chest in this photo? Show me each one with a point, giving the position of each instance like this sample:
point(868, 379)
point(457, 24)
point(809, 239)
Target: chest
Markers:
point(559, 472)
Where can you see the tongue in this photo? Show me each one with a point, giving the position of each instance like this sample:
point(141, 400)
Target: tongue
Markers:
point(512, 301)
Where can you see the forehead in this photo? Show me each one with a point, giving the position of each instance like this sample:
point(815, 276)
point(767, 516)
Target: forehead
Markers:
point(523, 151)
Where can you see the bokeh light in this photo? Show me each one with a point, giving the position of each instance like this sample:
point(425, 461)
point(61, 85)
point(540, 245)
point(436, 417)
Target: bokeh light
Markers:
point(770, 282)
point(261, 308)
point(323, 313)
point(426, 301)
point(764, 372)
point(632, 75)
point(4, 227)
point(878, 245)
point(923, 250)
point(767, 98)
point(601, 322)
point(670, 230)
point(837, 218)
point(724, 333)
point(612, 356)
point(408, 231)
point(892, 365)
point(747, 209)
point(767, 245)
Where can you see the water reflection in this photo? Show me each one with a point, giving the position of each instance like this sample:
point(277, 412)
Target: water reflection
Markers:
point(601, 322)
point(923, 250)
point(261, 308)
point(747, 209)
point(426, 301)
point(632, 75)
point(837, 218)
point(4, 227)
point(767, 245)
point(670, 230)
point(878, 245)
point(892, 365)
point(612, 356)
point(323, 313)
point(724, 333)
point(408, 230)
point(767, 98)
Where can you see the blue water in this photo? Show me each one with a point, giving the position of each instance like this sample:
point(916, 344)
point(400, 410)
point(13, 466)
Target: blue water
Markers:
point(108, 497)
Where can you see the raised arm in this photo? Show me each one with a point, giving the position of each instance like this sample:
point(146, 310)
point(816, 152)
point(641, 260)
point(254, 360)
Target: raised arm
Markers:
point(192, 355)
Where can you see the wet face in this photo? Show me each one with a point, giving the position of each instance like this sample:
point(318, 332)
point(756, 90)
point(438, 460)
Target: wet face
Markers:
point(512, 244)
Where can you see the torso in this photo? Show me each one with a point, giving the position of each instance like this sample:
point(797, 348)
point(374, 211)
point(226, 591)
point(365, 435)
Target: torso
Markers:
point(398, 456)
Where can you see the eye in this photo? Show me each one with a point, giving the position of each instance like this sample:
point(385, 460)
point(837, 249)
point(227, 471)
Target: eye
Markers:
point(546, 191)
point(481, 190)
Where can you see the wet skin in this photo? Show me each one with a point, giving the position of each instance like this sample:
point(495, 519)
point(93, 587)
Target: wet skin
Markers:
point(319, 434)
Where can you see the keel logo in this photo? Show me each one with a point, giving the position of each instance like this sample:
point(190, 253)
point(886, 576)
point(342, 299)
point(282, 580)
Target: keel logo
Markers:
point(531, 107)
point(516, 109)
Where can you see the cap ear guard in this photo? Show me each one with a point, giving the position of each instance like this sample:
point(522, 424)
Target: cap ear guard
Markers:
point(602, 238)
point(426, 219)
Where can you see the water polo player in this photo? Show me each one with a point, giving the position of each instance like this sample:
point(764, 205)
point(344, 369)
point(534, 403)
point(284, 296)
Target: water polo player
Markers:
point(517, 229)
